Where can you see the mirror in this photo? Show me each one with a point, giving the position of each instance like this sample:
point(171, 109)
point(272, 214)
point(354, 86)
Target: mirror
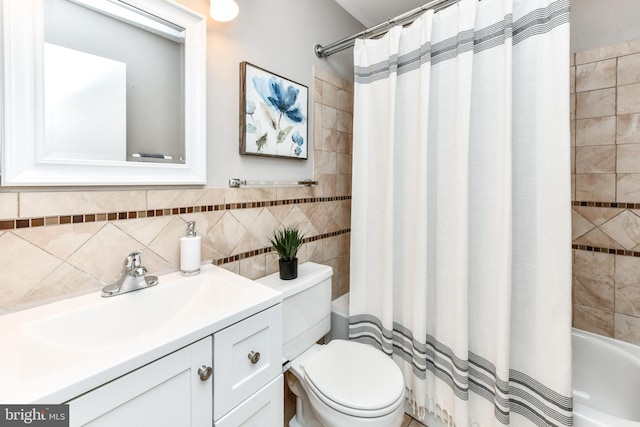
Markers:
point(103, 92)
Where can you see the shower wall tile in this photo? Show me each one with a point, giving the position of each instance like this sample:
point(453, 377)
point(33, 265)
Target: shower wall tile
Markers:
point(596, 159)
point(628, 188)
point(58, 244)
point(596, 131)
point(593, 281)
point(593, 320)
point(596, 75)
point(628, 129)
point(572, 79)
point(605, 122)
point(572, 106)
point(624, 229)
point(627, 286)
point(329, 94)
point(597, 238)
point(595, 187)
point(579, 225)
point(572, 128)
point(628, 158)
point(629, 69)
point(596, 103)
point(329, 117)
point(597, 215)
point(629, 99)
point(627, 328)
point(345, 100)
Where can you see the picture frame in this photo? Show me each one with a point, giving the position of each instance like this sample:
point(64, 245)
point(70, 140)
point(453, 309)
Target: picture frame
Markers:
point(273, 114)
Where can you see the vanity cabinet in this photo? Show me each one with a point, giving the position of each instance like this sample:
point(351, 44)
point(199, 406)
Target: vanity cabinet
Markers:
point(233, 378)
point(168, 392)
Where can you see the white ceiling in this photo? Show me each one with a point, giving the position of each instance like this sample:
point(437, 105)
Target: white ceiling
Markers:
point(372, 12)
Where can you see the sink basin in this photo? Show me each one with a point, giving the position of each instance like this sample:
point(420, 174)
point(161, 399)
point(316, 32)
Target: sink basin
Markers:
point(58, 351)
point(118, 319)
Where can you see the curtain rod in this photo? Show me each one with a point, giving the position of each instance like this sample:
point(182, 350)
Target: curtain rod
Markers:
point(376, 30)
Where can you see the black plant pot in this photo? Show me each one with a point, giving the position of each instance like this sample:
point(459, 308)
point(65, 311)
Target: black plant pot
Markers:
point(289, 269)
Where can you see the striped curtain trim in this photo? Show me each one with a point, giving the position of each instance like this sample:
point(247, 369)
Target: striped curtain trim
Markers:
point(520, 394)
point(536, 22)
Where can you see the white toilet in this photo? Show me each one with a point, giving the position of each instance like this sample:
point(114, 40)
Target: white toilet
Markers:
point(342, 383)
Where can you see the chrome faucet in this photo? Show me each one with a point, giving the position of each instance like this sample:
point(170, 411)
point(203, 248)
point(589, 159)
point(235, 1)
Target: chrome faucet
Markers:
point(132, 278)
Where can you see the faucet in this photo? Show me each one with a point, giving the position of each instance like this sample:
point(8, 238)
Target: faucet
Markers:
point(132, 278)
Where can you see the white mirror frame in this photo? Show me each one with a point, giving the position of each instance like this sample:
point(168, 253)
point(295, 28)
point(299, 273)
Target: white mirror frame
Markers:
point(23, 106)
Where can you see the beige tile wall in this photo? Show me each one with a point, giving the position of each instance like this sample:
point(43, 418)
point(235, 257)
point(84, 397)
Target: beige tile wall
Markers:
point(605, 144)
point(44, 263)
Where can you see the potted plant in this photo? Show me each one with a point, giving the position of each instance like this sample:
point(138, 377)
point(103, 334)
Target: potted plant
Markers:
point(286, 242)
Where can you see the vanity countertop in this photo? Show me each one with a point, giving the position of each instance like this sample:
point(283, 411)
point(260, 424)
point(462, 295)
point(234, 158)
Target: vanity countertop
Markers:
point(55, 352)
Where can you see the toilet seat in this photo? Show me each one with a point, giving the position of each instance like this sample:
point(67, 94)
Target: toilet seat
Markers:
point(355, 379)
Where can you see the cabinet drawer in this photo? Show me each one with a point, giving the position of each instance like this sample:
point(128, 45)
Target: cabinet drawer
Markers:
point(263, 409)
point(246, 356)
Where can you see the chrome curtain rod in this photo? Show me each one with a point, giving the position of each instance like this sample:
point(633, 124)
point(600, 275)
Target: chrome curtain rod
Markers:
point(381, 28)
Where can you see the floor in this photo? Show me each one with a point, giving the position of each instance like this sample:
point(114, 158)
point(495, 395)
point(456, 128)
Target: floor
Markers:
point(410, 422)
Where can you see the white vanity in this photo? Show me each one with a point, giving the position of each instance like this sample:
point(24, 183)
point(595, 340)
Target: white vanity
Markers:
point(196, 351)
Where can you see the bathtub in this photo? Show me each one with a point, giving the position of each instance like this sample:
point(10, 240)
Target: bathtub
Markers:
point(606, 381)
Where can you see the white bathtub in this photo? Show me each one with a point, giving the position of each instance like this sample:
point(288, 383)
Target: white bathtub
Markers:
point(606, 381)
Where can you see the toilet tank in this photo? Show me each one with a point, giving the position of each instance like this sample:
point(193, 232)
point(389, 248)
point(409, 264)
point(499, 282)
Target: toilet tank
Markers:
point(306, 306)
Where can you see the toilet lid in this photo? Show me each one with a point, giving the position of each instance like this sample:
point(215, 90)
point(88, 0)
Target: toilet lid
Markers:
point(355, 375)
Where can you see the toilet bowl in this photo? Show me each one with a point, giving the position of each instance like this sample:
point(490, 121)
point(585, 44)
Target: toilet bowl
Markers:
point(342, 383)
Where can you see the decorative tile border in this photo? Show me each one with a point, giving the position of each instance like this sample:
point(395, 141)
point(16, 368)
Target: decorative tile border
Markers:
point(16, 223)
point(607, 205)
point(606, 250)
point(267, 250)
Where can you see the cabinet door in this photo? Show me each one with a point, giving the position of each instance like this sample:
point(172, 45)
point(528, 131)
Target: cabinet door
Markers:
point(166, 393)
point(263, 409)
point(247, 356)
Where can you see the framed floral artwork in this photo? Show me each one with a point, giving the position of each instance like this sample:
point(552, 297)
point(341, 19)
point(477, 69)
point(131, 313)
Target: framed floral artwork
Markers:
point(273, 114)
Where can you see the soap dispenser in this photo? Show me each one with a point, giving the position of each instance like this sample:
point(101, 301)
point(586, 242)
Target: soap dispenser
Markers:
point(190, 248)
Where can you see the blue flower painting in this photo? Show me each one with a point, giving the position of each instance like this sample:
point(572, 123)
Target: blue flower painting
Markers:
point(275, 111)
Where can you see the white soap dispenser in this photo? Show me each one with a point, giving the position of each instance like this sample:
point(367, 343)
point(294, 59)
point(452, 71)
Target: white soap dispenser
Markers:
point(190, 248)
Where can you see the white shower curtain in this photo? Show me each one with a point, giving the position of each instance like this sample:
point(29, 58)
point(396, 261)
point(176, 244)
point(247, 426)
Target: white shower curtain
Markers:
point(461, 247)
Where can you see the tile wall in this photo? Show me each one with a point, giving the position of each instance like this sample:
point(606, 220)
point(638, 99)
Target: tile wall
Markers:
point(605, 144)
point(57, 244)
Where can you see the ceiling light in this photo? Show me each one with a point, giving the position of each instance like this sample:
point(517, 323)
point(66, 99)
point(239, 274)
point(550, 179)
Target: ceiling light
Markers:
point(223, 10)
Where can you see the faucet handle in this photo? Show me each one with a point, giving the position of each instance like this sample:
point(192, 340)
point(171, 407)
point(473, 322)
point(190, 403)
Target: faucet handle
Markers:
point(133, 264)
point(134, 259)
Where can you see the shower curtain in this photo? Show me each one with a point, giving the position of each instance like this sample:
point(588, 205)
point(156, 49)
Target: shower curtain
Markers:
point(461, 247)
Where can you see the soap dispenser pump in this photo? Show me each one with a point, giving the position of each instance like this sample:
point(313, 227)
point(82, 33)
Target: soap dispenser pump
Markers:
point(190, 249)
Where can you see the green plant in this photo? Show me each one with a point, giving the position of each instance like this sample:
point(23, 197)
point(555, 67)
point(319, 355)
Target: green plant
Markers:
point(286, 242)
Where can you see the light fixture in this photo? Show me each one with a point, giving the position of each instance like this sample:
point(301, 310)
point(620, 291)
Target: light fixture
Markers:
point(223, 10)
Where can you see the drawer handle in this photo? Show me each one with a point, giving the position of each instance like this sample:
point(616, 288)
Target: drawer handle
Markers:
point(205, 372)
point(254, 356)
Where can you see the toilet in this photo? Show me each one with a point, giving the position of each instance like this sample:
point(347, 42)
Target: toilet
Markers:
point(342, 383)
